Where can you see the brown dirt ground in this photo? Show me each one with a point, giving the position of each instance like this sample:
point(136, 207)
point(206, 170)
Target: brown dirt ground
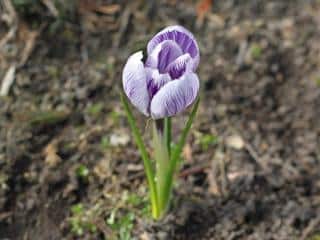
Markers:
point(260, 77)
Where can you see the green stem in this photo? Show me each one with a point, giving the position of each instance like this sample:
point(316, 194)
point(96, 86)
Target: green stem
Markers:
point(167, 133)
point(146, 161)
point(162, 161)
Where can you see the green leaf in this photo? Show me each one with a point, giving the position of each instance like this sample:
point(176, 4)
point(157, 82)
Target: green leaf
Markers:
point(315, 237)
point(112, 217)
point(105, 143)
point(207, 140)
point(177, 151)
point(176, 156)
point(146, 161)
point(134, 199)
point(256, 51)
point(76, 227)
point(77, 209)
point(95, 109)
point(82, 172)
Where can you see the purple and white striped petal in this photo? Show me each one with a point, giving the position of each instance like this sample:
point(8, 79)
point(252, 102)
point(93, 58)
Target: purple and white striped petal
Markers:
point(134, 82)
point(156, 80)
point(178, 67)
point(164, 53)
point(175, 96)
point(181, 36)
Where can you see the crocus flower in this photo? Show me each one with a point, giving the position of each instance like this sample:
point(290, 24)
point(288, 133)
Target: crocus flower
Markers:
point(166, 83)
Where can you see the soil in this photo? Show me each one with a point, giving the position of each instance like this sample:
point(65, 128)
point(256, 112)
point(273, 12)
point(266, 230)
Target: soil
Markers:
point(251, 167)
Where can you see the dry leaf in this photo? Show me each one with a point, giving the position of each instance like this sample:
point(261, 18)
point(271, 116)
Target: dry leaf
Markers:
point(204, 6)
point(108, 9)
point(234, 175)
point(119, 139)
point(102, 169)
point(187, 153)
point(134, 167)
point(145, 236)
point(51, 156)
point(235, 142)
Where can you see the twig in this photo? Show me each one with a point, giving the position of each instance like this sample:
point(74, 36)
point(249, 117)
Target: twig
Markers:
point(51, 7)
point(26, 52)
point(123, 27)
point(256, 157)
point(5, 215)
point(134, 177)
point(193, 170)
point(12, 12)
point(9, 35)
point(103, 227)
point(243, 47)
point(9, 77)
point(8, 81)
point(12, 21)
point(224, 178)
point(252, 151)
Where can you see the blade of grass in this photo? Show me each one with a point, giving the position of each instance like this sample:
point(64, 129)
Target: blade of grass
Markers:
point(146, 161)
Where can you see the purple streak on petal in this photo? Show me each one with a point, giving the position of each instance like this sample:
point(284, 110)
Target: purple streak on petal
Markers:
point(156, 80)
point(134, 82)
point(166, 52)
point(181, 36)
point(169, 52)
point(175, 96)
point(178, 67)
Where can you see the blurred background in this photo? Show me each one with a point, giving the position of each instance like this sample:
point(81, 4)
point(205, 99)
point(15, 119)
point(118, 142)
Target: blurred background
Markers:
point(68, 166)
